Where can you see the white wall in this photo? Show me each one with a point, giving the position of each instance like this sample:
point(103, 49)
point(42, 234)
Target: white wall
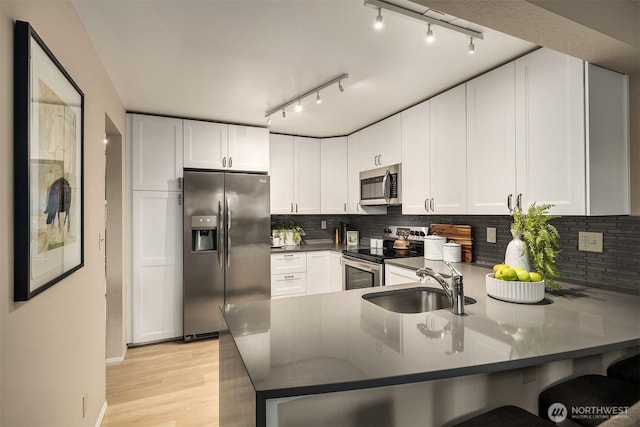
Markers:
point(52, 348)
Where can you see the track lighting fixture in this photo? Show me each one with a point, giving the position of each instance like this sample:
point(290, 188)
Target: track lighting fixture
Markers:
point(429, 34)
point(379, 24)
point(472, 47)
point(297, 100)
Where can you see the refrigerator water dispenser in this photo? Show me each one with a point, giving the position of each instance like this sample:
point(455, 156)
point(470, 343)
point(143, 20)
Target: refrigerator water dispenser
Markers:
point(203, 233)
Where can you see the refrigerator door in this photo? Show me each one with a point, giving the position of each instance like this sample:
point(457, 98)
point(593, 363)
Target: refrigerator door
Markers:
point(203, 252)
point(248, 262)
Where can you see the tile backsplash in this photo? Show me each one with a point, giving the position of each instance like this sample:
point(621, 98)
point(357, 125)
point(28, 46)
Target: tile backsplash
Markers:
point(618, 267)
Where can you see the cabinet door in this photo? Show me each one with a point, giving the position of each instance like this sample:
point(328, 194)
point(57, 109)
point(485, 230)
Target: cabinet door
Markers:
point(157, 153)
point(550, 131)
point(389, 140)
point(157, 266)
point(491, 142)
point(292, 262)
point(248, 149)
point(416, 185)
point(205, 145)
point(369, 148)
point(353, 173)
point(281, 167)
point(336, 271)
point(448, 167)
point(306, 175)
point(286, 285)
point(333, 174)
point(397, 275)
point(318, 272)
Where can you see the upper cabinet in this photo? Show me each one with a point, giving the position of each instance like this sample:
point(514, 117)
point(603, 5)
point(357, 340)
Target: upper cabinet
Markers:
point(353, 173)
point(333, 175)
point(219, 146)
point(380, 143)
point(281, 166)
point(416, 179)
point(157, 153)
point(448, 152)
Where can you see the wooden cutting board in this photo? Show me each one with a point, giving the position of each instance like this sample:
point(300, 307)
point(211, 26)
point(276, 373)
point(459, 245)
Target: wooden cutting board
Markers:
point(459, 234)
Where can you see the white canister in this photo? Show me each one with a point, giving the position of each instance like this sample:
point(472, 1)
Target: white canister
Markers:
point(433, 246)
point(452, 252)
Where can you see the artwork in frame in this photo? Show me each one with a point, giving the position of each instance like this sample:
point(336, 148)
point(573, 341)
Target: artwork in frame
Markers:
point(352, 238)
point(48, 167)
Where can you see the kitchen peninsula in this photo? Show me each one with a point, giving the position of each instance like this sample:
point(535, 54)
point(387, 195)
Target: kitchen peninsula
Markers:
point(337, 358)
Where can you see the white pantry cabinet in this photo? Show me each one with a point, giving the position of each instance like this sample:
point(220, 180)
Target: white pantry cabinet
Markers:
point(491, 142)
point(416, 159)
point(380, 143)
point(448, 155)
point(333, 175)
point(295, 175)
point(157, 266)
point(353, 173)
point(219, 146)
point(156, 153)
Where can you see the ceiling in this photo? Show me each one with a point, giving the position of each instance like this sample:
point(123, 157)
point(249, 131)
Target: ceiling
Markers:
point(231, 61)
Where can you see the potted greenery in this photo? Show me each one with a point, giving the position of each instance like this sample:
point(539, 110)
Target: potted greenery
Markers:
point(541, 238)
point(287, 233)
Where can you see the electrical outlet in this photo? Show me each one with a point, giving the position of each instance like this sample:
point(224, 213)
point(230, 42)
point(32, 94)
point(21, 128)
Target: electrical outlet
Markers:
point(323, 225)
point(589, 241)
point(491, 234)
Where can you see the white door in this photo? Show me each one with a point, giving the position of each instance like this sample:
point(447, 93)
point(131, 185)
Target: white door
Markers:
point(550, 138)
point(389, 140)
point(157, 266)
point(281, 167)
point(333, 175)
point(318, 272)
point(205, 145)
point(157, 153)
point(416, 184)
point(353, 173)
point(248, 149)
point(491, 142)
point(448, 165)
point(306, 175)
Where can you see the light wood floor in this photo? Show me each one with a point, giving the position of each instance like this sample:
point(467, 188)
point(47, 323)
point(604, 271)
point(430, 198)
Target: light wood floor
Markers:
point(168, 384)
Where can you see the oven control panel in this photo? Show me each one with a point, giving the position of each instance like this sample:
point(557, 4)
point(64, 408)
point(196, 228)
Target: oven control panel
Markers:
point(413, 233)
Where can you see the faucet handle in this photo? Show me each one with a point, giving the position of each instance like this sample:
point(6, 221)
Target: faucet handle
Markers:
point(454, 270)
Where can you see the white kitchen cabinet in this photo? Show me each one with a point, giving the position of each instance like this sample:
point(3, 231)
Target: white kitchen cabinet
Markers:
point(157, 266)
point(336, 271)
point(333, 175)
point(248, 149)
point(448, 155)
point(156, 153)
point(318, 272)
point(290, 262)
point(353, 173)
point(416, 178)
point(288, 274)
point(281, 167)
point(306, 175)
point(491, 147)
point(380, 143)
point(219, 146)
point(394, 275)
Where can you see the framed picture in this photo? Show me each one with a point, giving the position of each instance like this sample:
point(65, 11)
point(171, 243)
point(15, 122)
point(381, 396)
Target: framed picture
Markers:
point(352, 238)
point(48, 167)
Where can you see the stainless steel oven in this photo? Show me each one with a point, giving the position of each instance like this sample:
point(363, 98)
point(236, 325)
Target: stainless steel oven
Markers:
point(358, 273)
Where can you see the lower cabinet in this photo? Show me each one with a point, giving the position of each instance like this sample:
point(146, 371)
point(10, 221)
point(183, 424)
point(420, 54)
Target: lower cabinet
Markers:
point(305, 273)
point(397, 275)
point(336, 272)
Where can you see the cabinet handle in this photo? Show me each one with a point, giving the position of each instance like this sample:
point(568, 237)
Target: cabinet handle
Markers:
point(431, 205)
point(345, 206)
point(288, 255)
point(291, 206)
point(519, 201)
point(288, 277)
point(426, 205)
point(224, 162)
point(509, 197)
point(296, 207)
point(379, 159)
point(230, 161)
point(358, 206)
point(179, 199)
point(180, 183)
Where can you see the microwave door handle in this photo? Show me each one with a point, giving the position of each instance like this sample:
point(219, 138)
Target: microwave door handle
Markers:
point(386, 186)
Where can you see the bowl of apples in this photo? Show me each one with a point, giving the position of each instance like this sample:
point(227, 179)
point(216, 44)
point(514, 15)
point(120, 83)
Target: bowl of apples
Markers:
point(515, 285)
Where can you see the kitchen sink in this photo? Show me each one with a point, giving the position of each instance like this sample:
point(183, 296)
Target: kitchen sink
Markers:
point(412, 300)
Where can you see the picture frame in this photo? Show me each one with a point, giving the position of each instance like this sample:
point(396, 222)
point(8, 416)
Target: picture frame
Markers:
point(352, 238)
point(48, 167)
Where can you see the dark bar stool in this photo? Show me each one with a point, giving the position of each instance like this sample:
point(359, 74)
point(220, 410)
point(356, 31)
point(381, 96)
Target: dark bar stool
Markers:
point(627, 369)
point(583, 396)
point(512, 416)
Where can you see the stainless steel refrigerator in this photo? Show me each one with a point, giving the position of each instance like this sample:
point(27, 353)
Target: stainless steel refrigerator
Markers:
point(226, 245)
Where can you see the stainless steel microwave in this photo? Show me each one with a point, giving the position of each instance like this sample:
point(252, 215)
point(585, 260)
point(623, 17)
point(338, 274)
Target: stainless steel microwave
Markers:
point(380, 186)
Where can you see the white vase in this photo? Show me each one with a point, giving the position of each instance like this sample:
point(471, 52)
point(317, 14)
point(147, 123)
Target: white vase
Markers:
point(517, 254)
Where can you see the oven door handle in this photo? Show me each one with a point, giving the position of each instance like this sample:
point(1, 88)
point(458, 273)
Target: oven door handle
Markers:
point(365, 266)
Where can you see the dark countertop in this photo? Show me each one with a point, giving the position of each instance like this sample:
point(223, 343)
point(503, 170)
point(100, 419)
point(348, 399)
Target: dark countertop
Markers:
point(338, 341)
point(311, 246)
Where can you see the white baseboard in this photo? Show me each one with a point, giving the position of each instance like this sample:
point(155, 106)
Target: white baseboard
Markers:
point(102, 412)
point(117, 359)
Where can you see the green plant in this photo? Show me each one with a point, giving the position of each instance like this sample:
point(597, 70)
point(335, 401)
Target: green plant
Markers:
point(542, 239)
point(298, 234)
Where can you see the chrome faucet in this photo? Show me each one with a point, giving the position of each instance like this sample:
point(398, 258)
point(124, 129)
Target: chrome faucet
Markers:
point(454, 291)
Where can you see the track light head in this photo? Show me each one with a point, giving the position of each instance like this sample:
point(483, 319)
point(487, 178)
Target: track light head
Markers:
point(379, 24)
point(340, 86)
point(268, 120)
point(318, 99)
point(284, 114)
point(430, 37)
point(472, 47)
point(298, 107)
